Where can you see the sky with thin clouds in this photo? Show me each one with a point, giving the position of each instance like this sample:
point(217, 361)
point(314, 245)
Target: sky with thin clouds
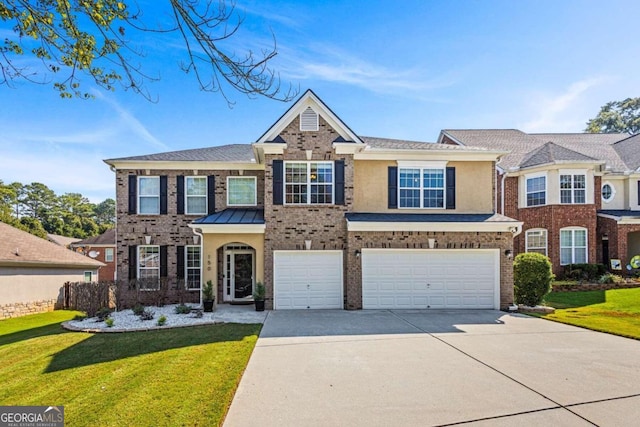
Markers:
point(401, 70)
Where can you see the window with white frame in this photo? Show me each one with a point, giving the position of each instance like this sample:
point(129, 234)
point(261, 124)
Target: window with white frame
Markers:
point(573, 246)
point(308, 183)
point(421, 187)
point(573, 188)
point(536, 190)
point(196, 195)
point(192, 266)
point(149, 266)
point(241, 191)
point(536, 241)
point(108, 254)
point(149, 195)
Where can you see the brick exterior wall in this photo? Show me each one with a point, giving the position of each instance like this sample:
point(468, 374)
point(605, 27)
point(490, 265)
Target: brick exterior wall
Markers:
point(618, 239)
point(24, 308)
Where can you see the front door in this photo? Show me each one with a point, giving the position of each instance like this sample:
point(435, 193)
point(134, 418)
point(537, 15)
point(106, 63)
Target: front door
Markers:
point(239, 275)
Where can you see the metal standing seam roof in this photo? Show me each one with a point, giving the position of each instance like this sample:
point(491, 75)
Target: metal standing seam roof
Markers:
point(409, 217)
point(233, 216)
point(620, 213)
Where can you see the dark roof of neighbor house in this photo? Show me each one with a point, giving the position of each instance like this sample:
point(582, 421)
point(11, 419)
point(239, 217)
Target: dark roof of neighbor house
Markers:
point(550, 153)
point(408, 217)
point(18, 247)
point(600, 147)
point(233, 216)
point(223, 153)
point(62, 240)
point(106, 238)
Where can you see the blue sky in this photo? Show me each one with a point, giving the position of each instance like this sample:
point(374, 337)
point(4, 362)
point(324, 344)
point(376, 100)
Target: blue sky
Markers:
point(402, 71)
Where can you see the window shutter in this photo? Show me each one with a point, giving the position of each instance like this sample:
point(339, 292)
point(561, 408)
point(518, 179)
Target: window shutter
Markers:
point(163, 195)
point(451, 188)
point(211, 194)
point(163, 262)
point(339, 184)
point(133, 194)
point(180, 194)
point(180, 263)
point(639, 193)
point(278, 182)
point(133, 262)
point(392, 193)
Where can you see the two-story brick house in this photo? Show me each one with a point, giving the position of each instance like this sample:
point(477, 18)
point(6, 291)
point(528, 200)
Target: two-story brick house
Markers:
point(578, 195)
point(323, 217)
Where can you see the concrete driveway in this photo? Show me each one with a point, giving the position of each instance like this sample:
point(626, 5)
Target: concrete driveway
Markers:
point(428, 368)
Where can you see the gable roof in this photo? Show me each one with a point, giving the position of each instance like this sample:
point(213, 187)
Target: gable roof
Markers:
point(309, 99)
point(520, 145)
point(629, 150)
point(106, 238)
point(19, 248)
point(552, 153)
point(61, 240)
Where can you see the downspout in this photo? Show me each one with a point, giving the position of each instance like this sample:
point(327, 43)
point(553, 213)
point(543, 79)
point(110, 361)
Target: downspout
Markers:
point(198, 233)
point(504, 176)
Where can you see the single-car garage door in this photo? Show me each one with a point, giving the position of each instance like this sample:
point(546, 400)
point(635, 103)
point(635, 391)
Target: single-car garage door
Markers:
point(307, 279)
point(399, 278)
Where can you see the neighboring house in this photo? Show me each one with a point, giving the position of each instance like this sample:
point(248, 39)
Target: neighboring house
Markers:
point(101, 248)
point(62, 240)
point(33, 272)
point(577, 194)
point(323, 217)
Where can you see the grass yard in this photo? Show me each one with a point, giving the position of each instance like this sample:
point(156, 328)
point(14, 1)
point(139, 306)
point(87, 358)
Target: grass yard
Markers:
point(616, 311)
point(184, 376)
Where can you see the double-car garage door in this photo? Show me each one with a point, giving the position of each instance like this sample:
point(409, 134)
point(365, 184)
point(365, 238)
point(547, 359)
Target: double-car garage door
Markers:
point(391, 278)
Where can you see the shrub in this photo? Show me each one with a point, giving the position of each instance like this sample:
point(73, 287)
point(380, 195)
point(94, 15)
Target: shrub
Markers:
point(147, 315)
point(610, 278)
point(109, 321)
point(532, 278)
point(103, 314)
point(584, 272)
point(183, 309)
point(138, 309)
point(161, 320)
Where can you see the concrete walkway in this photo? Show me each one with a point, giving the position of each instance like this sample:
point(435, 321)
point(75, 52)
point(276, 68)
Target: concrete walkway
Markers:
point(428, 368)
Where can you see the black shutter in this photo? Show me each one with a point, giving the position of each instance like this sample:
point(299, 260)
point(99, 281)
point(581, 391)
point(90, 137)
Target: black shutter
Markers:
point(180, 263)
point(278, 182)
point(163, 262)
point(163, 195)
point(133, 194)
point(339, 185)
point(392, 192)
point(211, 194)
point(133, 262)
point(638, 192)
point(180, 194)
point(451, 188)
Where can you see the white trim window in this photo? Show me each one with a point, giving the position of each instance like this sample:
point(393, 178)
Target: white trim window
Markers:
point(421, 187)
point(149, 266)
point(195, 195)
point(573, 246)
point(149, 195)
point(308, 183)
point(108, 254)
point(573, 188)
point(608, 192)
point(536, 190)
point(192, 266)
point(536, 241)
point(241, 191)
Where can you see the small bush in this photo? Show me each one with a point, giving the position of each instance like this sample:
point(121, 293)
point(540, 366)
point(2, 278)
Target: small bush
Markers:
point(610, 278)
point(584, 272)
point(103, 314)
point(147, 315)
point(532, 278)
point(138, 309)
point(109, 321)
point(79, 317)
point(161, 321)
point(183, 309)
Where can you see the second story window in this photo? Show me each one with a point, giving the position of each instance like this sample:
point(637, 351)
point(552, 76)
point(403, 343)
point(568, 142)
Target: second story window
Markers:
point(241, 191)
point(149, 195)
point(196, 195)
point(421, 188)
point(573, 188)
point(536, 191)
point(108, 255)
point(308, 183)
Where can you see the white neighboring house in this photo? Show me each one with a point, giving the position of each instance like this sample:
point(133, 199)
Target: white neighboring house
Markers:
point(33, 272)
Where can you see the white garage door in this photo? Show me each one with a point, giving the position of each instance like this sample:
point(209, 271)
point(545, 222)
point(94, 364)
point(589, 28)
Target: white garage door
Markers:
point(398, 278)
point(307, 279)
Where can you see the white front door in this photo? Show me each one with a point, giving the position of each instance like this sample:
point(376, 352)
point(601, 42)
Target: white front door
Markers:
point(239, 276)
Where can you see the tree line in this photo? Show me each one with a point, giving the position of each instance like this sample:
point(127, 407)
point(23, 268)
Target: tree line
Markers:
point(39, 210)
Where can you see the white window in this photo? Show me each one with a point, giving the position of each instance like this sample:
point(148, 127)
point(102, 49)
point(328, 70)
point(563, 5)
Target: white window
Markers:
point(308, 183)
point(608, 192)
point(108, 254)
point(241, 191)
point(149, 266)
point(536, 241)
point(149, 195)
point(309, 120)
point(88, 276)
point(573, 188)
point(536, 190)
point(192, 267)
point(196, 195)
point(421, 187)
point(573, 246)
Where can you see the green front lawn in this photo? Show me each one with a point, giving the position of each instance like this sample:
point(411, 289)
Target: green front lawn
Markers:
point(616, 311)
point(184, 376)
